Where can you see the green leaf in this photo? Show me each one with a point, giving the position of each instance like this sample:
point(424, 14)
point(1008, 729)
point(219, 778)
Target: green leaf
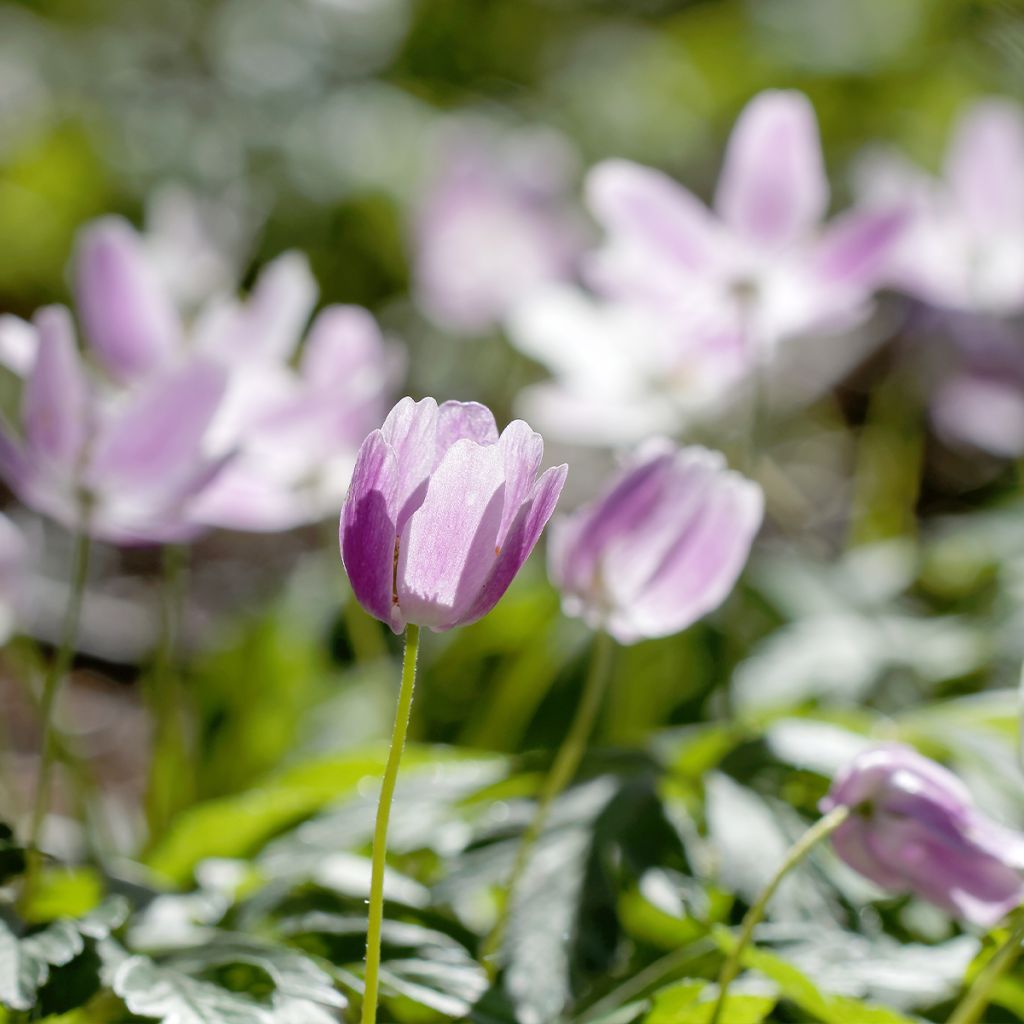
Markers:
point(175, 998)
point(26, 962)
point(238, 826)
point(693, 1002)
point(798, 988)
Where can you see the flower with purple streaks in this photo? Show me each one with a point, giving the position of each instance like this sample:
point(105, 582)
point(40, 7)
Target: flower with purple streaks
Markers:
point(443, 512)
point(662, 545)
point(914, 828)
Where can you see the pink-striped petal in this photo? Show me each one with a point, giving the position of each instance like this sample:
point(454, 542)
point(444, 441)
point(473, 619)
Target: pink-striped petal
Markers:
point(55, 403)
point(368, 528)
point(128, 316)
point(773, 188)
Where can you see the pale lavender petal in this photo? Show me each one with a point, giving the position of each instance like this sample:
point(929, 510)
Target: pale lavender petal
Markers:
point(155, 440)
point(278, 308)
point(15, 467)
point(773, 188)
point(18, 342)
point(623, 508)
point(985, 163)
point(702, 569)
point(411, 430)
point(344, 344)
point(128, 317)
point(449, 544)
point(55, 403)
point(520, 540)
point(982, 411)
point(521, 452)
point(856, 248)
point(645, 206)
point(457, 420)
point(368, 529)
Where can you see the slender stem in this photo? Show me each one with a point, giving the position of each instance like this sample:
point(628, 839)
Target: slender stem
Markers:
point(380, 831)
point(821, 829)
point(51, 686)
point(973, 1004)
point(564, 768)
point(163, 697)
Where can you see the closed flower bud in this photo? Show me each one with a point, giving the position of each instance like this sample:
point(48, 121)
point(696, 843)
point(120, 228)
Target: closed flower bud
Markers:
point(662, 546)
point(442, 513)
point(914, 828)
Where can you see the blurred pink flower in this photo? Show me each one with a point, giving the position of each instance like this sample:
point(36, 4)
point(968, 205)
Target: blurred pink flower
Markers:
point(763, 266)
point(493, 225)
point(964, 247)
point(122, 464)
point(295, 422)
point(914, 828)
point(692, 300)
point(661, 546)
point(443, 512)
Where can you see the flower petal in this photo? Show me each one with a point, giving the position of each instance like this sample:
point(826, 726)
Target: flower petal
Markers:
point(128, 317)
point(278, 308)
point(155, 440)
point(521, 451)
point(18, 343)
point(773, 188)
point(985, 163)
point(55, 404)
point(645, 207)
point(520, 540)
point(344, 344)
point(448, 546)
point(368, 530)
point(699, 574)
point(457, 420)
point(855, 249)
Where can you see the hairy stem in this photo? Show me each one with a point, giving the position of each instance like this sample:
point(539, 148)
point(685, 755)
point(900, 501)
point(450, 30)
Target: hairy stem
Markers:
point(380, 832)
point(823, 828)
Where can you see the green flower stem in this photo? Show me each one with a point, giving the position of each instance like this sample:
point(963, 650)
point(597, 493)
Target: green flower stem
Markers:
point(380, 832)
point(823, 828)
point(566, 764)
point(168, 761)
point(973, 1004)
point(51, 686)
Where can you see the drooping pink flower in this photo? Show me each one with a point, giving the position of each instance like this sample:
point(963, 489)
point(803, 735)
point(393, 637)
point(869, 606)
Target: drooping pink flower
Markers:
point(964, 245)
point(492, 227)
point(914, 828)
point(294, 423)
point(661, 546)
point(443, 512)
point(763, 265)
point(122, 464)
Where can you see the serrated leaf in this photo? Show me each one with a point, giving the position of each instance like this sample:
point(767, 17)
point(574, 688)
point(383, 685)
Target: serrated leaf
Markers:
point(175, 998)
point(25, 962)
point(238, 826)
point(798, 988)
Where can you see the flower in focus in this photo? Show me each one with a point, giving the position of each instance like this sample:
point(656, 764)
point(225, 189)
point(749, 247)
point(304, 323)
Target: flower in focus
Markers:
point(123, 464)
point(914, 828)
point(761, 268)
point(964, 245)
point(493, 227)
point(294, 423)
point(661, 546)
point(443, 512)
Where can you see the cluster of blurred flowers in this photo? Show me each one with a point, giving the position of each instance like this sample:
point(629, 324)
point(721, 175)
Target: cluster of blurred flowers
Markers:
point(187, 407)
